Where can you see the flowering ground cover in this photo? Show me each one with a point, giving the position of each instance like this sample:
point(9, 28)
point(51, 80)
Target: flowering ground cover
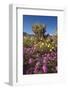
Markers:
point(39, 51)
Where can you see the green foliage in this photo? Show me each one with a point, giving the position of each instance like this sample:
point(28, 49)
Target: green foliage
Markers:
point(27, 42)
point(41, 46)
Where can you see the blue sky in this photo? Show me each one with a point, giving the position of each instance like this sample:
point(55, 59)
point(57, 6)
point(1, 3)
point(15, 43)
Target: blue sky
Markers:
point(49, 21)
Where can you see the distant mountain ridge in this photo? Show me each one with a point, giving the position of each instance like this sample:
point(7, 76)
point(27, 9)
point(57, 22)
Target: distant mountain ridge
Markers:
point(48, 35)
point(26, 34)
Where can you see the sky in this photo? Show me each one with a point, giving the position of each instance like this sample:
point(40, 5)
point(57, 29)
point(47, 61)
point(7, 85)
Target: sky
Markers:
point(49, 21)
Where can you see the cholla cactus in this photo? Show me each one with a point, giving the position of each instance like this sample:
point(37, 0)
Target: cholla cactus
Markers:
point(39, 30)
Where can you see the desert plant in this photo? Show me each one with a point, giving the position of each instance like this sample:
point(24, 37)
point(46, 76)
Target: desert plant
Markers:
point(39, 30)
